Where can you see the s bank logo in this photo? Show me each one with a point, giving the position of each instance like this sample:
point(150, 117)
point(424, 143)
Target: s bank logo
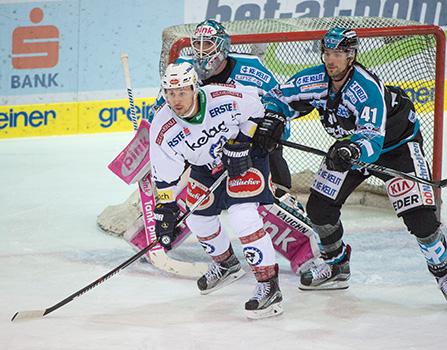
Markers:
point(35, 47)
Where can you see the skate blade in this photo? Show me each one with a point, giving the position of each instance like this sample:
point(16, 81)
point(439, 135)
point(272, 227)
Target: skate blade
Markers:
point(335, 285)
point(273, 310)
point(234, 277)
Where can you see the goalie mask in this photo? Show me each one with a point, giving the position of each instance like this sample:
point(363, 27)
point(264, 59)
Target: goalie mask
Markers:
point(211, 45)
point(342, 39)
point(177, 77)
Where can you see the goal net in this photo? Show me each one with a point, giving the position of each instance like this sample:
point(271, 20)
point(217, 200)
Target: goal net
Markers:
point(403, 53)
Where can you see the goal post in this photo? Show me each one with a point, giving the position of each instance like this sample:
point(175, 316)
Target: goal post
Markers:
point(403, 53)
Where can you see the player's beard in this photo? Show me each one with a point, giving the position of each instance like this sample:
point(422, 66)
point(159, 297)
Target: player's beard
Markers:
point(338, 75)
point(189, 112)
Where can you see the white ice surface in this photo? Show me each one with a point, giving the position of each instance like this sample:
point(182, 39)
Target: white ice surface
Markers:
point(53, 188)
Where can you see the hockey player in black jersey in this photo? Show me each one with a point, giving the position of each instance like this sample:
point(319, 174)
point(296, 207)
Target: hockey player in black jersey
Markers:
point(372, 123)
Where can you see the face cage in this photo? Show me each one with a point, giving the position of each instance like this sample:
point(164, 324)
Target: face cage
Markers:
point(207, 62)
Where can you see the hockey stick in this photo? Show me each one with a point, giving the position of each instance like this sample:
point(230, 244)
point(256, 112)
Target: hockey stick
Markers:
point(125, 63)
point(370, 166)
point(157, 255)
point(30, 314)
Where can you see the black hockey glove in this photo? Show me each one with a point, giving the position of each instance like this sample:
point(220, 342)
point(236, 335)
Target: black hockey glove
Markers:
point(340, 155)
point(236, 158)
point(269, 130)
point(166, 216)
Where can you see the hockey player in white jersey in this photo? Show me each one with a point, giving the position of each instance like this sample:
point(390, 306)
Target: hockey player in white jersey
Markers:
point(211, 128)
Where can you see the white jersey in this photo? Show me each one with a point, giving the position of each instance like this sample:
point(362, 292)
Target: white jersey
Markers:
point(225, 112)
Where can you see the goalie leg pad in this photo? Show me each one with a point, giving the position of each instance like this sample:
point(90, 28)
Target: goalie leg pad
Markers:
point(292, 237)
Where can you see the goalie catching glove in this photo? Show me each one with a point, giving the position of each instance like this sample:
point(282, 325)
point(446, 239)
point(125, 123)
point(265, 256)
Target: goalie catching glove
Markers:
point(341, 154)
point(166, 216)
point(236, 158)
point(270, 130)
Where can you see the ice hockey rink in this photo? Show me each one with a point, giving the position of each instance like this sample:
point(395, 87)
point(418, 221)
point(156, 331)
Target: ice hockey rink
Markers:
point(53, 189)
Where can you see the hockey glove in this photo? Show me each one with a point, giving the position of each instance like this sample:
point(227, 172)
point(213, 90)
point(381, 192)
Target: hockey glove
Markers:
point(269, 130)
point(236, 158)
point(166, 216)
point(340, 155)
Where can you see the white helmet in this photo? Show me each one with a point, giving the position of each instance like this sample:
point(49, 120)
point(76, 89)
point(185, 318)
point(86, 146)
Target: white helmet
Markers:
point(178, 75)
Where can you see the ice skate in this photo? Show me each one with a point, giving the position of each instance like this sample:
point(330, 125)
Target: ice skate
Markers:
point(220, 275)
point(327, 276)
point(266, 301)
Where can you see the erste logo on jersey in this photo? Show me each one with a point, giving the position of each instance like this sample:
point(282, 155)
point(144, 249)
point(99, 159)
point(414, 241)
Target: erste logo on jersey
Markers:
point(179, 137)
point(227, 107)
point(169, 124)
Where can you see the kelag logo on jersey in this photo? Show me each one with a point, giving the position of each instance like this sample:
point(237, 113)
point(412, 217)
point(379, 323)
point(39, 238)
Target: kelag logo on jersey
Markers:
point(210, 133)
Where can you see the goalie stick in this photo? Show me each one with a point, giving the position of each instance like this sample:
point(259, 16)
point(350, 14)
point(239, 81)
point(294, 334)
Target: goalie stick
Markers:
point(370, 166)
point(157, 255)
point(32, 314)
